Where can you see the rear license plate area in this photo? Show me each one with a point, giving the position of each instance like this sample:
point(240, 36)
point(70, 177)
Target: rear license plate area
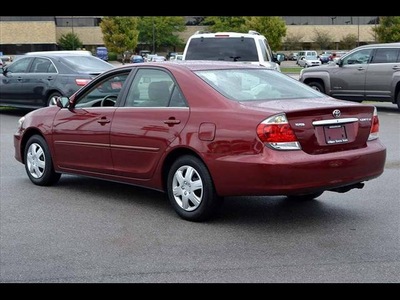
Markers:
point(335, 134)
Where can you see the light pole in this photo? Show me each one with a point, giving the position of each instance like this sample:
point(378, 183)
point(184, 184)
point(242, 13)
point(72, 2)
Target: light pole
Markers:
point(73, 35)
point(358, 31)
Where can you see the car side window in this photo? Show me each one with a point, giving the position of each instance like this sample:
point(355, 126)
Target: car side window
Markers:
point(41, 65)
point(104, 93)
point(385, 55)
point(358, 57)
point(20, 66)
point(154, 88)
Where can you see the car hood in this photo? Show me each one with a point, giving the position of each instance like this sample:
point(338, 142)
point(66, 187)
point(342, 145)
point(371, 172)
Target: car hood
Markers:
point(321, 68)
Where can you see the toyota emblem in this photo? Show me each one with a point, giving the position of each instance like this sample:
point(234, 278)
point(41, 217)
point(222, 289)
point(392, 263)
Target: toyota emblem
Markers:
point(336, 113)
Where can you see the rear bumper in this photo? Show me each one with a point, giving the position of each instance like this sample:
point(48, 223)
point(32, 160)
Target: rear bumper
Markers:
point(295, 172)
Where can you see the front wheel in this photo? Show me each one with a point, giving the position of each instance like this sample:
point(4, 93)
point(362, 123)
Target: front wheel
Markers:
point(316, 86)
point(398, 100)
point(191, 190)
point(38, 162)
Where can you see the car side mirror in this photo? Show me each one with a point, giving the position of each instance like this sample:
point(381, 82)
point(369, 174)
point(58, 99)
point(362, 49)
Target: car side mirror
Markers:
point(62, 102)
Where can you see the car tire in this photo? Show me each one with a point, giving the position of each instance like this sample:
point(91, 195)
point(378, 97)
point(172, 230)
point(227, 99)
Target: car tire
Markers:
point(317, 86)
point(50, 101)
point(191, 190)
point(38, 162)
point(398, 100)
point(304, 197)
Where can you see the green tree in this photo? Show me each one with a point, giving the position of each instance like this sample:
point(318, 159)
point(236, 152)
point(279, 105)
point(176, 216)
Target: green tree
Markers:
point(293, 42)
point(234, 24)
point(156, 32)
point(322, 39)
point(69, 41)
point(388, 29)
point(273, 28)
point(120, 34)
point(348, 42)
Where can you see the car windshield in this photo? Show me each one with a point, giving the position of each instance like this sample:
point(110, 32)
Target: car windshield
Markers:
point(218, 48)
point(260, 84)
point(311, 57)
point(86, 63)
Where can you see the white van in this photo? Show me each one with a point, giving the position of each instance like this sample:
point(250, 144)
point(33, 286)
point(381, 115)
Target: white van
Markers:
point(250, 47)
point(306, 53)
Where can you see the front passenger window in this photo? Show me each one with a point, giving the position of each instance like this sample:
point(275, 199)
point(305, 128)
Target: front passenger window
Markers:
point(359, 57)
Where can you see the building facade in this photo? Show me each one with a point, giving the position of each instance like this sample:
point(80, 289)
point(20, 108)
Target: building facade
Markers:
point(40, 33)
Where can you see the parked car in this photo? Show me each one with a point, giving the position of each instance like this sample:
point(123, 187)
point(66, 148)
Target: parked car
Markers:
point(33, 80)
point(305, 53)
point(369, 72)
point(137, 59)
point(5, 59)
point(149, 57)
point(309, 61)
point(251, 47)
point(177, 57)
point(158, 58)
point(324, 57)
point(293, 56)
point(201, 131)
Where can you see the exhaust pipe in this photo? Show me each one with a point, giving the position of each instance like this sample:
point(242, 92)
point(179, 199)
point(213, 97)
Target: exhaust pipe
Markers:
point(347, 188)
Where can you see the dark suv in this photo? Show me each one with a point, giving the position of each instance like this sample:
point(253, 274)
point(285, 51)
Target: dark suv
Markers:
point(370, 72)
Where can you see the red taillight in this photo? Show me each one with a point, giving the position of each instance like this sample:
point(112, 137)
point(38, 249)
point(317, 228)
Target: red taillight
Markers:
point(277, 133)
point(82, 82)
point(374, 126)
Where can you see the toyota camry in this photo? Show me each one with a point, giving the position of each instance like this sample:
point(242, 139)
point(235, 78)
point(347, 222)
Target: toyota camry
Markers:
point(202, 131)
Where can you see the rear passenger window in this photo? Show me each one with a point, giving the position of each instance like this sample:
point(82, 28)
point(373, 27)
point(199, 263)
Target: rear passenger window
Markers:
point(386, 55)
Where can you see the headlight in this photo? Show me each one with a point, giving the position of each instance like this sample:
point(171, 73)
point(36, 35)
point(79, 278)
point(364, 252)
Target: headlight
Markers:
point(20, 122)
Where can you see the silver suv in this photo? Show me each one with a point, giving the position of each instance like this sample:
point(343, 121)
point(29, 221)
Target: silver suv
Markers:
point(250, 47)
point(370, 72)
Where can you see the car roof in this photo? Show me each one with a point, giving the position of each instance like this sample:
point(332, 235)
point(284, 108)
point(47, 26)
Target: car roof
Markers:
point(252, 34)
point(61, 52)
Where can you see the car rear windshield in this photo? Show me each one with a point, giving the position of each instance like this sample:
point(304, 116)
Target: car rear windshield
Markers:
point(256, 84)
point(222, 48)
point(86, 64)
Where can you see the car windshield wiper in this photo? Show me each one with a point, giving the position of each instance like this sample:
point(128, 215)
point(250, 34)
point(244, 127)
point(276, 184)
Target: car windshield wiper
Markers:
point(235, 58)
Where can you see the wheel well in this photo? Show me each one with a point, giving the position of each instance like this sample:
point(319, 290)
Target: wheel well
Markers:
point(320, 81)
point(396, 92)
point(26, 137)
point(49, 93)
point(171, 158)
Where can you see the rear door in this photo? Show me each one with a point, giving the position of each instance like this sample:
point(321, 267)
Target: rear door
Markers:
point(383, 68)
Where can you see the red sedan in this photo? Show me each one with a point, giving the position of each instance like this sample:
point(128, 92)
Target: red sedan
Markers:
point(200, 131)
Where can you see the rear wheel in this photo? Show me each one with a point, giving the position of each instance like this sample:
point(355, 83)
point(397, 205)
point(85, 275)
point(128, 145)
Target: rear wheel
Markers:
point(304, 197)
point(316, 86)
point(38, 162)
point(191, 190)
